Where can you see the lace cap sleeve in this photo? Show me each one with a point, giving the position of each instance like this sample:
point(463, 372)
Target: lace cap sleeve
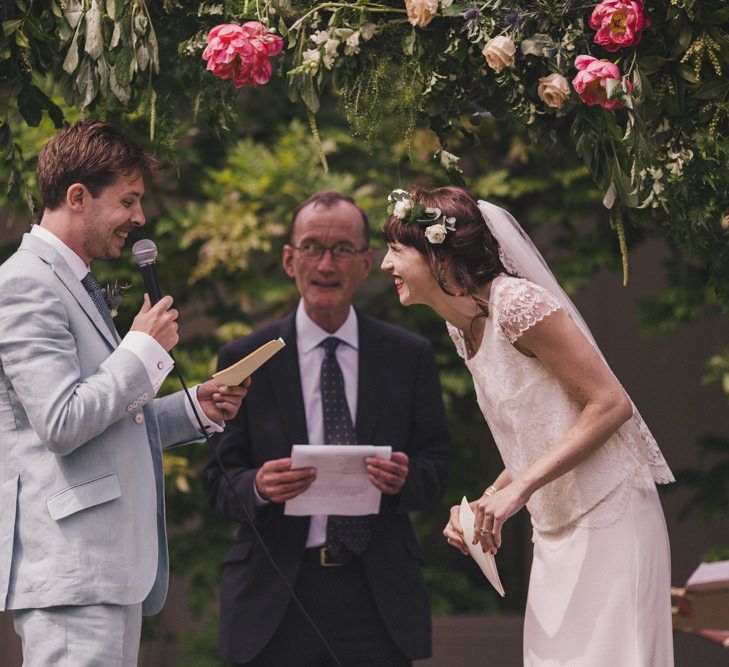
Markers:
point(521, 305)
point(457, 340)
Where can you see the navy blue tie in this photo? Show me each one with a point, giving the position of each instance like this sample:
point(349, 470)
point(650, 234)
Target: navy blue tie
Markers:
point(97, 296)
point(351, 531)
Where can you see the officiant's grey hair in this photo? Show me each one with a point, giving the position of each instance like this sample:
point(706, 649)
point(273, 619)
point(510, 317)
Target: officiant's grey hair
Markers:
point(327, 200)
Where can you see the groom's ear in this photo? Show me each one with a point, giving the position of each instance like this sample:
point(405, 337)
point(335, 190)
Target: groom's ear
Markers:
point(77, 195)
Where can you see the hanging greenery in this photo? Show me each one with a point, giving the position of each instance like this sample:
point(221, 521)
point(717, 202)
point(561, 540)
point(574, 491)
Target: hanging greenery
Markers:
point(638, 90)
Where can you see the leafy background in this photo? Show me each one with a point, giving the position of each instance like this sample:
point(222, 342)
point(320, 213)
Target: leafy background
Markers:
point(239, 162)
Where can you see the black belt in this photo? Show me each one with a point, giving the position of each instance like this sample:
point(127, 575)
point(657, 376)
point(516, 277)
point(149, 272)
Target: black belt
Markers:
point(327, 558)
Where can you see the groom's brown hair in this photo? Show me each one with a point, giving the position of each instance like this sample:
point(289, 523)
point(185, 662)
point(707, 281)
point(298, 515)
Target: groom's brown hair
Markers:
point(91, 152)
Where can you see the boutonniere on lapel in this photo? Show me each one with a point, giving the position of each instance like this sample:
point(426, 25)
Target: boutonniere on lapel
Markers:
point(113, 295)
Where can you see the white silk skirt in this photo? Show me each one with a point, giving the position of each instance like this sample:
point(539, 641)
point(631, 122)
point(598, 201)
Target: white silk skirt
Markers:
point(600, 597)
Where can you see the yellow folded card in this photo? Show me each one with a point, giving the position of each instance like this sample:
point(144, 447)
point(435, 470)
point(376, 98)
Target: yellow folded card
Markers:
point(240, 370)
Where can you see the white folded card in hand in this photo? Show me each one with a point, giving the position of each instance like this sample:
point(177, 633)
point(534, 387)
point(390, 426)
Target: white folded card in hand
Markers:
point(342, 486)
point(485, 561)
point(240, 370)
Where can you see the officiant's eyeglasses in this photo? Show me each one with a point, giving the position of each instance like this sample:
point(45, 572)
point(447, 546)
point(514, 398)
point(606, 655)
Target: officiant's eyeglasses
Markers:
point(341, 252)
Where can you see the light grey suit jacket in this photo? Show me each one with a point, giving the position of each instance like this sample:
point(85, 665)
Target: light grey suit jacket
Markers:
point(81, 439)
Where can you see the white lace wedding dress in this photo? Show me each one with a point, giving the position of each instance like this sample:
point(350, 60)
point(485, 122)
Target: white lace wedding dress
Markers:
point(599, 592)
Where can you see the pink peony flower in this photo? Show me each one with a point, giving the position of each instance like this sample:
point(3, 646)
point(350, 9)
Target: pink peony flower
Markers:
point(619, 23)
point(242, 52)
point(591, 81)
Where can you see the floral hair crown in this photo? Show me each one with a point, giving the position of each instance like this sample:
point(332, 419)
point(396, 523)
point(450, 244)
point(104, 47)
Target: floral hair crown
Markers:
point(437, 225)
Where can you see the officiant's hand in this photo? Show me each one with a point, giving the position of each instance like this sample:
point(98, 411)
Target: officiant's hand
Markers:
point(278, 482)
point(388, 475)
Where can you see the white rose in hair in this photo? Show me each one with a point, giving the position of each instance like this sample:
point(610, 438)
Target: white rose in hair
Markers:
point(435, 233)
point(402, 209)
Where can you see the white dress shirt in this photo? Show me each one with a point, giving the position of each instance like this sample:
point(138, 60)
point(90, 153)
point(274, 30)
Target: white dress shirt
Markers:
point(309, 337)
point(153, 356)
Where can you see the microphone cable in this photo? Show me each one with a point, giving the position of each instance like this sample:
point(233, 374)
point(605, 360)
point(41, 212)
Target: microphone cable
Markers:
point(145, 256)
point(248, 516)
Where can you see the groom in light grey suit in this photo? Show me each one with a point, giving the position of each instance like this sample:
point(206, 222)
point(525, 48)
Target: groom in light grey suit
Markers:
point(83, 550)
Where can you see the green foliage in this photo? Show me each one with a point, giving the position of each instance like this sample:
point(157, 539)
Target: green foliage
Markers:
point(659, 161)
point(243, 160)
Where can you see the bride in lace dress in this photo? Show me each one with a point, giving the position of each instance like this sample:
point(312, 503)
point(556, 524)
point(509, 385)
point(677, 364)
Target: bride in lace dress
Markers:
point(576, 452)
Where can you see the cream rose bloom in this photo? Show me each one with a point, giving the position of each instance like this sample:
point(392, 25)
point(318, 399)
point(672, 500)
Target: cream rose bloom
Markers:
point(553, 90)
point(435, 233)
point(402, 209)
point(421, 12)
point(499, 53)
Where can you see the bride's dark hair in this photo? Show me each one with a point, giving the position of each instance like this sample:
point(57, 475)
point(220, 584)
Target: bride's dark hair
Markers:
point(471, 252)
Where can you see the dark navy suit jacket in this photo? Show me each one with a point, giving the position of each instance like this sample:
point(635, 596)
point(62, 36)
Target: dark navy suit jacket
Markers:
point(399, 403)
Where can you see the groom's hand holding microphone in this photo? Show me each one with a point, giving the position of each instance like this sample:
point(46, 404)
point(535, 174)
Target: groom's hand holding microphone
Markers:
point(158, 319)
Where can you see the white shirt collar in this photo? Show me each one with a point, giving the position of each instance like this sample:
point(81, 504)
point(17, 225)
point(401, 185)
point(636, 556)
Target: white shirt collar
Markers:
point(309, 334)
point(78, 266)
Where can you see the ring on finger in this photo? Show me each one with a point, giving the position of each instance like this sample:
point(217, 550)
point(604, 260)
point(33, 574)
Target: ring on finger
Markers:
point(484, 531)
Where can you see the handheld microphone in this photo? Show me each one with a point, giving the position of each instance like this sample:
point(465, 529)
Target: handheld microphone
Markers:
point(145, 256)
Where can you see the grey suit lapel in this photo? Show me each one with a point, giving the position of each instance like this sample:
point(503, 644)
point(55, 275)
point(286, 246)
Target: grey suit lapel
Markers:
point(64, 273)
point(369, 385)
point(286, 380)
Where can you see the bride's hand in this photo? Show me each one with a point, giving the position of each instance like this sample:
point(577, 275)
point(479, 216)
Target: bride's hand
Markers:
point(453, 532)
point(491, 512)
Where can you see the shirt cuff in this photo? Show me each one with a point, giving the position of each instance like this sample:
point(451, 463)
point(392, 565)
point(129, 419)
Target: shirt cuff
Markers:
point(258, 500)
point(209, 425)
point(156, 361)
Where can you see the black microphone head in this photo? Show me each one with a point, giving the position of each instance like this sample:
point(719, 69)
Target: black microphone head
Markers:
point(145, 252)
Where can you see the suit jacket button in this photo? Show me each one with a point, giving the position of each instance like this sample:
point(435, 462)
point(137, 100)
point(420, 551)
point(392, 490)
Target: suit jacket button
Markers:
point(145, 396)
point(139, 418)
point(130, 407)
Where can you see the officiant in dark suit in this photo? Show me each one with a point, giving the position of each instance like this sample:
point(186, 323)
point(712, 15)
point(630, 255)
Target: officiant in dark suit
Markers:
point(343, 378)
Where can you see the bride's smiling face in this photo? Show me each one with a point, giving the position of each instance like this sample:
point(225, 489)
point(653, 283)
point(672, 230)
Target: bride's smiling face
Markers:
point(414, 281)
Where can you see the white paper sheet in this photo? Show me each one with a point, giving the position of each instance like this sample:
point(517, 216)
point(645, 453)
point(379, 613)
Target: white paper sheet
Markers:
point(485, 561)
point(341, 486)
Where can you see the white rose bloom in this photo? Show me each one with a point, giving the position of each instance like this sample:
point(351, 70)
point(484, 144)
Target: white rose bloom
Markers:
point(445, 3)
point(402, 208)
point(553, 90)
point(421, 12)
point(435, 233)
point(499, 53)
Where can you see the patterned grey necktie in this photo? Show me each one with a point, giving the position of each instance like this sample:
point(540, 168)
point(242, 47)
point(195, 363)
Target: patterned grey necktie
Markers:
point(91, 285)
point(351, 531)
